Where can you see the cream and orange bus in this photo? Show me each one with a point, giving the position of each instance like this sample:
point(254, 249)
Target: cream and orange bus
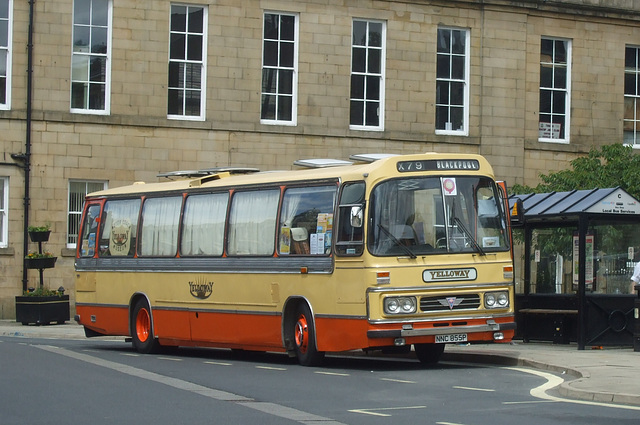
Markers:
point(380, 251)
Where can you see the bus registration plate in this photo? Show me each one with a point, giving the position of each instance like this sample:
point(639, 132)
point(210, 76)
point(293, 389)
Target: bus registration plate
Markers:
point(441, 339)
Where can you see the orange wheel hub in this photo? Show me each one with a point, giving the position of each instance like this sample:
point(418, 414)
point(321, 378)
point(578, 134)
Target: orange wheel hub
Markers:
point(143, 325)
point(302, 334)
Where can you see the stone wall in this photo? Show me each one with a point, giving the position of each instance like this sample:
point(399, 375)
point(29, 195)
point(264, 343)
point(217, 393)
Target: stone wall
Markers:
point(136, 141)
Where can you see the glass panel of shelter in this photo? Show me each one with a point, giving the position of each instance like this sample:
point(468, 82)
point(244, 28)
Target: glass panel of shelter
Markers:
point(612, 250)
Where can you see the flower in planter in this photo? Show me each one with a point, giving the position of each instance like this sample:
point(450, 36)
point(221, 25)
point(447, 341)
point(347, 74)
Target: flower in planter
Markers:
point(45, 254)
point(44, 292)
point(39, 233)
point(45, 228)
point(40, 260)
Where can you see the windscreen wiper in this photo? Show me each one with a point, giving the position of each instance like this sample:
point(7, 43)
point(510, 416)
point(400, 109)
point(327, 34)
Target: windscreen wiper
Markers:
point(468, 234)
point(395, 240)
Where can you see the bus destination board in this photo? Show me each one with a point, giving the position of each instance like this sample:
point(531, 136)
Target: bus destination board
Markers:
point(438, 164)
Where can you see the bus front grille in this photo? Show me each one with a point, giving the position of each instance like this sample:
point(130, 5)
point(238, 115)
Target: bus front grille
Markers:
point(443, 303)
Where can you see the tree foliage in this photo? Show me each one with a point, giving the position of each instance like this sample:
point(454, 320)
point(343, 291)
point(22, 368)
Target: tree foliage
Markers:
point(612, 166)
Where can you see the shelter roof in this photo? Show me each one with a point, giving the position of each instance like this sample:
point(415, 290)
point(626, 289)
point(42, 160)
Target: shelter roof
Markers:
point(562, 205)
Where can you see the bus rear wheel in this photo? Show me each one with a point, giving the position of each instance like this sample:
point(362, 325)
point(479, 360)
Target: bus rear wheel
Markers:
point(304, 337)
point(429, 353)
point(142, 329)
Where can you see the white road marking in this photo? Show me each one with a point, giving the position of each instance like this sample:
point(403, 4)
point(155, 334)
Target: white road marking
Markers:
point(332, 373)
point(374, 412)
point(529, 402)
point(270, 368)
point(171, 359)
point(554, 381)
point(398, 380)
point(219, 363)
point(474, 389)
point(269, 408)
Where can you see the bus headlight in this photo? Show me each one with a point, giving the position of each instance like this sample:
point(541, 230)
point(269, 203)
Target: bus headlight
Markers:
point(496, 299)
point(400, 305)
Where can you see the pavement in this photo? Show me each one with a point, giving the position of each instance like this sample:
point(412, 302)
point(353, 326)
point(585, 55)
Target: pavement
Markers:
point(597, 374)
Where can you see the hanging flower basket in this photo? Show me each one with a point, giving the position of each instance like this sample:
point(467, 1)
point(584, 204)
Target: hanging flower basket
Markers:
point(40, 262)
point(39, 233)
point(39, 236)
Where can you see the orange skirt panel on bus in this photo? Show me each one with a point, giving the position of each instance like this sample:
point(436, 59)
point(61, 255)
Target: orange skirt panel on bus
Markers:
point(259, 331)
point(107, 320)
point(222, 329)
point(341, 334)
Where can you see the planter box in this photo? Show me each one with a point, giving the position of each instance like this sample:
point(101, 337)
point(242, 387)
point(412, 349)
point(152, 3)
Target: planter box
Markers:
point(40, 263)
point(39, 236)
point(42, 310)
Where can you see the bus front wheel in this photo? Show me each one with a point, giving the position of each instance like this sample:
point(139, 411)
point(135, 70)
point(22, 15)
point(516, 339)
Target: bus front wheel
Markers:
point(429, 353)
point(304, 336)
point(142, 329)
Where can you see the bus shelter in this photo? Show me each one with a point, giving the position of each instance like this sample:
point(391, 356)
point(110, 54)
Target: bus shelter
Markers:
point(574, 255)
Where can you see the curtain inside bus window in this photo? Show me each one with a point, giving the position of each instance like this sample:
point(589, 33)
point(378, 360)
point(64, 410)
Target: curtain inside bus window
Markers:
point(252, 222)
point(427, 215)
point(160, 219)
point(203, 224)
point(119, 228)
point(349, 238)
point(89, 231)
point(306, 220)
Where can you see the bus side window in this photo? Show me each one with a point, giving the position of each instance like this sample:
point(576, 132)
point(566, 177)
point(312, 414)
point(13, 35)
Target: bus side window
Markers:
point(159, 226)
point(349, 238)
point(119, 228)
point(306, 220)
point(203, 224)
point(90, 231)
point(252, 222)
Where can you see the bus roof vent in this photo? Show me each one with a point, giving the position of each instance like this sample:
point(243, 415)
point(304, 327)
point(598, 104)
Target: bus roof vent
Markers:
point(230, 170)
point(321, 163)
point(190, 174)
point(217, 173)
point(182, 174)
point(209, 178)
point(371, 157)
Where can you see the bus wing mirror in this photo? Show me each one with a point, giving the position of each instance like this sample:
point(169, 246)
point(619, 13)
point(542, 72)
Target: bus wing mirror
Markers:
point(356, 216)
point(516, 213)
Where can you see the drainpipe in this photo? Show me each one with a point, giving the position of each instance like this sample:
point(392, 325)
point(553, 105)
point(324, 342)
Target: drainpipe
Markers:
point(27, 151)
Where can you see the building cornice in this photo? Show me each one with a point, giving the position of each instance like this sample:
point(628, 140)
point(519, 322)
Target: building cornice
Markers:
point(613, 9)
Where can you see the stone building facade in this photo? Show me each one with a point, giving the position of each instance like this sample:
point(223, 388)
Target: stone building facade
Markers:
point(107, 93)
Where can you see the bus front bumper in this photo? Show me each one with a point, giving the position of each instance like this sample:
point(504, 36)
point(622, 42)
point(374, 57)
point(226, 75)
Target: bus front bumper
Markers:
point(409, 331)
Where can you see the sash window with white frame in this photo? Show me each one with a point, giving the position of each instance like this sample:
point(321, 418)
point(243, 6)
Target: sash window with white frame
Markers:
point(452, 81)
point(367, 75)
point(78, 190)
point(90, 73)
point(631, 123)
point(6, 23)
point(4, 211)
point(279, 69)
point(187, 68)
point(555, 90)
